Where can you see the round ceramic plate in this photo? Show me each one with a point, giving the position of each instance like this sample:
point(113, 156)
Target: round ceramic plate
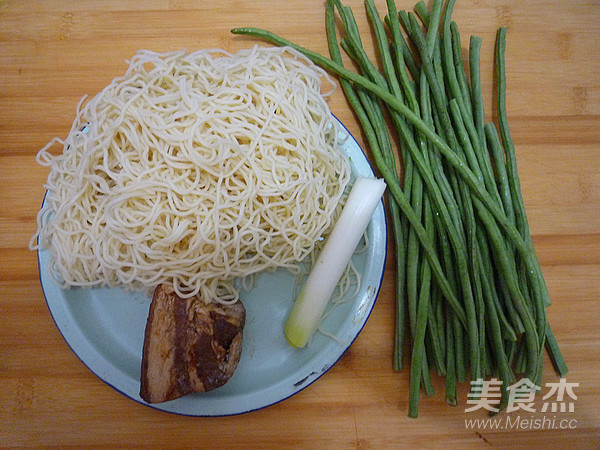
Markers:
point(105, 329)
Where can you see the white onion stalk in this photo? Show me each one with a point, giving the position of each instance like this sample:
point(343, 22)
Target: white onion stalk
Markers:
point(341, 243)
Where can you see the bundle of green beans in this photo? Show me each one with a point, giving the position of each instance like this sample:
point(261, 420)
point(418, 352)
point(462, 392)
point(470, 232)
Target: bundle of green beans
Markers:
point(469, 285)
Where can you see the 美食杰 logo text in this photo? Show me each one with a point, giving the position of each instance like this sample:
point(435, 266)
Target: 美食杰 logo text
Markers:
point(557, 404)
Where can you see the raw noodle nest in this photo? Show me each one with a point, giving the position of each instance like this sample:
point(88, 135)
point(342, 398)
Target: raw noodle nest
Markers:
point(194, 169)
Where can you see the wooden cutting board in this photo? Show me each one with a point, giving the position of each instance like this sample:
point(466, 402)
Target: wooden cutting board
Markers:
point(54, 52)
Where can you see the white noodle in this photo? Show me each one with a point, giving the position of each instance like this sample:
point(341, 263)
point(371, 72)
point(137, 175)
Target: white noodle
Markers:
point(194, 169)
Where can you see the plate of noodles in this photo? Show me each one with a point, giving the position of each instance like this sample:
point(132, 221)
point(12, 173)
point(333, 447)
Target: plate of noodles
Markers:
point(94, 288)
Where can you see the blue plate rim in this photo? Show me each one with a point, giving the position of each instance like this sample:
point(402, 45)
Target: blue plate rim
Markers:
point(302, 383)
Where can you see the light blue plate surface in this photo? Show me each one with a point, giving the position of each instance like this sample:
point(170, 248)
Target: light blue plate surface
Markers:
point(105, 329)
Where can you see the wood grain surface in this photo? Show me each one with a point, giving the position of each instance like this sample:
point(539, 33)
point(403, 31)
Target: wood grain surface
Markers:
point(53, 51)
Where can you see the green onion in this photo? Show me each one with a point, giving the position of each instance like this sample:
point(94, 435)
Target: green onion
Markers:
point(341, 243)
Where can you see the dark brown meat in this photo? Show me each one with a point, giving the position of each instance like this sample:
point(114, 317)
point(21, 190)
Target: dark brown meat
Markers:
point(189, 346)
